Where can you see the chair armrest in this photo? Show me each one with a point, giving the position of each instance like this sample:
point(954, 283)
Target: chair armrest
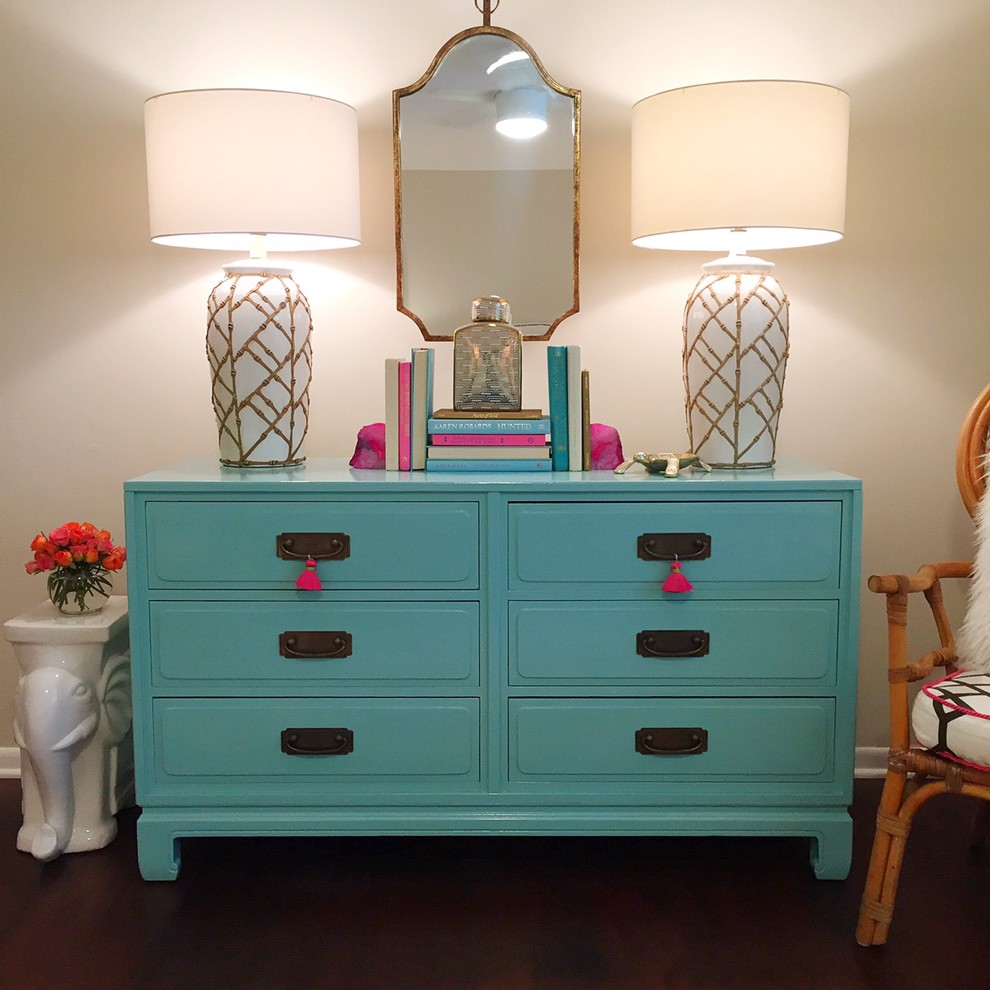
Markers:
point(927, 575)
point(897, 588)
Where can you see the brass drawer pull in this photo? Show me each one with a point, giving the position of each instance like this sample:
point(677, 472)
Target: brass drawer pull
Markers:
point(663, 643)
point(674, 546)
point(317, 742)
point(671, 742)
point(319, 546)
point(323, 644)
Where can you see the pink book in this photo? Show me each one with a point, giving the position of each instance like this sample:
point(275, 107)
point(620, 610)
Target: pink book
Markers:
point(405, 449)
point(489, 439)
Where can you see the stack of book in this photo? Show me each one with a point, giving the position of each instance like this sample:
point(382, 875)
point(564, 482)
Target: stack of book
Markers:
point(418, 438)
point(570, 409)
point(490, 440)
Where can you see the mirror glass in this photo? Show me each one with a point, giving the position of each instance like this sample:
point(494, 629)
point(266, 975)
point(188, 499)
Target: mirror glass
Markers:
point(480, 213)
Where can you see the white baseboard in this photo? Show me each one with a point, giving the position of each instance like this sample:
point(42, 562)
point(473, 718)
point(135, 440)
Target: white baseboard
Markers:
point(871, 761)
point(10, 761)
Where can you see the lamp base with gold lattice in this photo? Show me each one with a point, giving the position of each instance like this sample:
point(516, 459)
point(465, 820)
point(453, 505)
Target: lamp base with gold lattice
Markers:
point(735, 356)
point(258, 346)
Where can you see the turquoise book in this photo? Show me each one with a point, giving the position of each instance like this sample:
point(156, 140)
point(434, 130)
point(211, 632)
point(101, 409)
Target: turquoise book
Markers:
point(557, 388)
point(475, 464)
point(487, 425)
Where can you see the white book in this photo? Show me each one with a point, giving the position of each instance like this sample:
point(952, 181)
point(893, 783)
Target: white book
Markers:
point(391, 414)
point(487, 453)
point(575, 431)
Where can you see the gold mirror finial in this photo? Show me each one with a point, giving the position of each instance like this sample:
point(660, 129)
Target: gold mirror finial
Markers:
point(486, 8)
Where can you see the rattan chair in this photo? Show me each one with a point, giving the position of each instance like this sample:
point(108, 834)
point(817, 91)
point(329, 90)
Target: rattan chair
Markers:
point(914, 775)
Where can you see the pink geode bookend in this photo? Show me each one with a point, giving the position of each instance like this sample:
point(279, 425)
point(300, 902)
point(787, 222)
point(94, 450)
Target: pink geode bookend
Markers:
point(606, 447)
point(369, 453)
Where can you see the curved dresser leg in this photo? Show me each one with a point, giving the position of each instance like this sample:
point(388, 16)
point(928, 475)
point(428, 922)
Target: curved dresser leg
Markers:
point(831, 850)
point(159, 854)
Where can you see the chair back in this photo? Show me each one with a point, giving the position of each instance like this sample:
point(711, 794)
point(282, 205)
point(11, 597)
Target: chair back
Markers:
point(971, 452)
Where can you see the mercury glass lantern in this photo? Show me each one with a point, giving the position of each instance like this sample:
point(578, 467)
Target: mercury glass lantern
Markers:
point(488, 359)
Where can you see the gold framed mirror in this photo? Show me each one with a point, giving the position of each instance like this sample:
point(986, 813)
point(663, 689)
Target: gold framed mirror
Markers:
point(479, 213)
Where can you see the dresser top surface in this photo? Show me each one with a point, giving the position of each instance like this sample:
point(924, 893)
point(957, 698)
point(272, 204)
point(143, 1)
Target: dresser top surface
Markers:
point(334, 474)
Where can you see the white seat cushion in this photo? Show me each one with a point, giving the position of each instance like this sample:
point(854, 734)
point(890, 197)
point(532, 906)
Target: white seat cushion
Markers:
point(951, 717)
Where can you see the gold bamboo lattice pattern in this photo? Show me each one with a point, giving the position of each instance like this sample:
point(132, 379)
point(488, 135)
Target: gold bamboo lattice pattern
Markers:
point(258, 346)
point(734, 349)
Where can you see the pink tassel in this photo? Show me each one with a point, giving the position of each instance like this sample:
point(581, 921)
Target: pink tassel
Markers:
point(676, 582)
point(309, 580)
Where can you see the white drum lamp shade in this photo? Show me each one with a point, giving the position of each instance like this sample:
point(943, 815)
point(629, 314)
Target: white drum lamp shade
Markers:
point(738, 166)
point(224, 164)
point(246, 170)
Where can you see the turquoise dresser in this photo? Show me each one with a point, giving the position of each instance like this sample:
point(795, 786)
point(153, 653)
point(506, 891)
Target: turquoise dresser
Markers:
point(493, 654)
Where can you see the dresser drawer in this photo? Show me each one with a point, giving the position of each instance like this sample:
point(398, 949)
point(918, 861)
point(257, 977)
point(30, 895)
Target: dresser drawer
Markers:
point(314, 642)
point(762, 543)
point(231, 545)
point(391, 739)
point(755, 739)
point(673, 642)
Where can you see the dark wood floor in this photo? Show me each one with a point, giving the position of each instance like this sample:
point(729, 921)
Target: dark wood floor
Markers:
point(490, 914)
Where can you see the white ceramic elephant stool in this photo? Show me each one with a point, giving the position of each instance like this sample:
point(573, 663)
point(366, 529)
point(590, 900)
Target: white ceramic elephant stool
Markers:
point(72, 723)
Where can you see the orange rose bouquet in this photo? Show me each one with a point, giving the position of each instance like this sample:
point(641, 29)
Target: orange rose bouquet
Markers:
point(77, 558)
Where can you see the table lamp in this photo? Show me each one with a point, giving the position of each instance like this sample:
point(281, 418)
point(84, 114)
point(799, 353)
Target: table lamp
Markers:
point(247, 170)
point(738, 166)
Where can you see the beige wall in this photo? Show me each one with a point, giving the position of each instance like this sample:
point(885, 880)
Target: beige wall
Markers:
point(103, 371)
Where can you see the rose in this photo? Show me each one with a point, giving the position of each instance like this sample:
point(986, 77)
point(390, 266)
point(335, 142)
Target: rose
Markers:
point(61, 536)
point(81, 547)
point(42, 544)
